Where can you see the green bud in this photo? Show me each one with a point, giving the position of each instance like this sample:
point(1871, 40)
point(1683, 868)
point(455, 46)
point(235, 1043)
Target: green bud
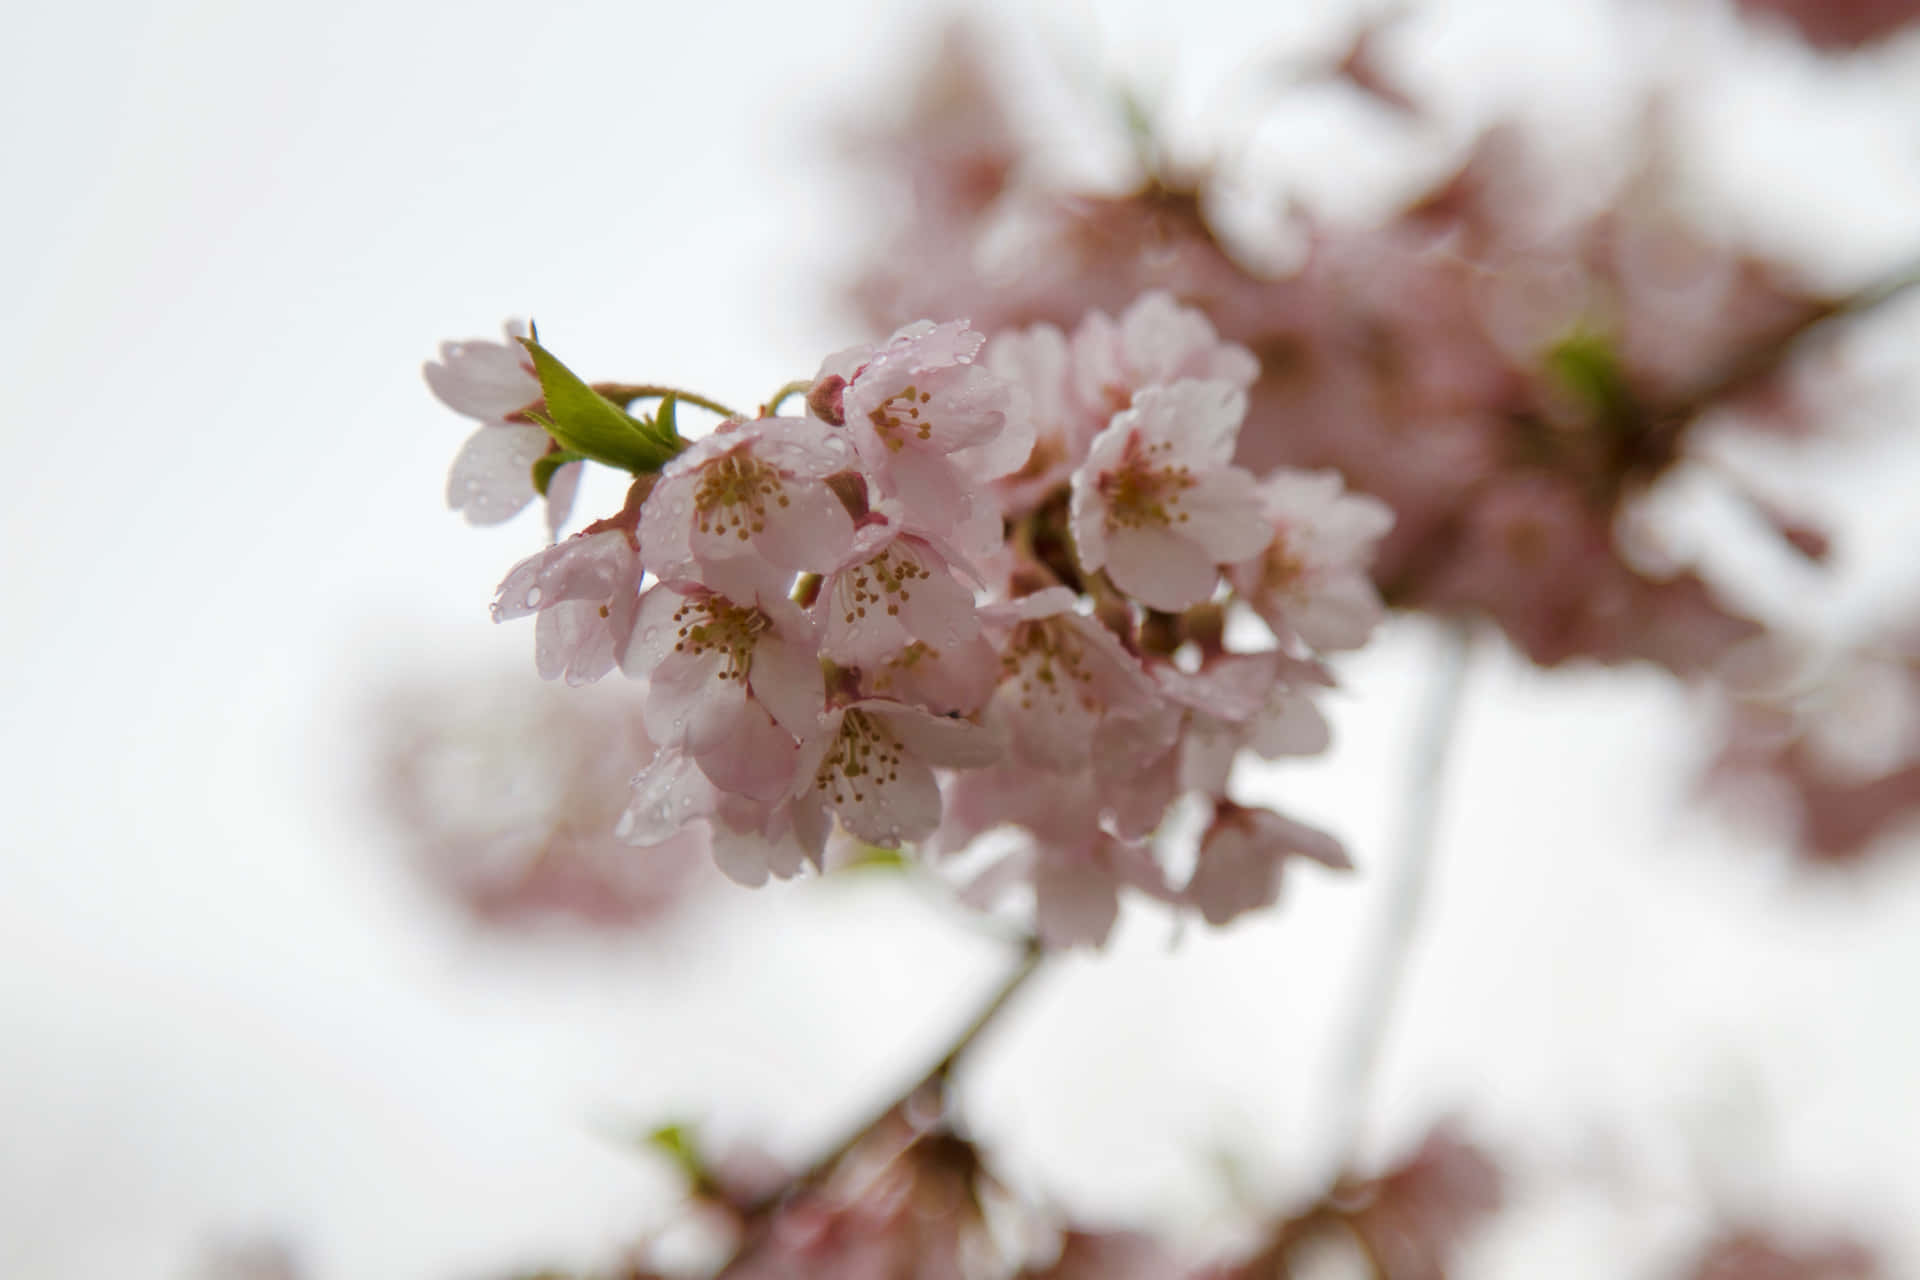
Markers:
point(588, 425)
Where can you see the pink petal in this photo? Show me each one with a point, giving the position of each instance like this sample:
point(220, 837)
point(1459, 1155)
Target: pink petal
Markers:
point(1087, 516)
point(786, 678)
point(572, 639)
point(1201, 420)
point(687, 697)
point(1222, 513)
point(594, 567)
point(1161, 569)
point(941, 740)
point(811, 532)
point(1075, 900)
point(755, 759)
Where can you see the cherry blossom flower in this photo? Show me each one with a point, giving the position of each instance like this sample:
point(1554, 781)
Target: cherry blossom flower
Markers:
point(506, 797)
point(1241, 857)
point(750, 839)
point(756, 489)
point(913, 402)
point(1158, 503)
point(893, 588)
point(1062, 673)
point(1154, 343)
point(1036, 365)
point(492, 476)
point(734, 683)
point(1314, 579)
point(586, 593)
point(871, 764)
point(1075, 866)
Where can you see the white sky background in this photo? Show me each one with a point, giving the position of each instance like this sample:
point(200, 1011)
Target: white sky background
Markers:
point(233, 233)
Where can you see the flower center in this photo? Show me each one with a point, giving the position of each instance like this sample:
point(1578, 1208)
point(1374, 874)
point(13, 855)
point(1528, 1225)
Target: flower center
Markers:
point(1144, 491)
point(732, 495)
point(886, 580)
point(863, 755)
point(1048, 659)
point(710, 624)
point(898, 414)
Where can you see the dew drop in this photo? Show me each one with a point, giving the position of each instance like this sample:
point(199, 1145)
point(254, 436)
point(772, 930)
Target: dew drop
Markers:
point(533, 597)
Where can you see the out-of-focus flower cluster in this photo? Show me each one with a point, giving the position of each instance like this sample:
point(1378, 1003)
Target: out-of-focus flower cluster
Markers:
point(504, 797)
point(1828, 747)
point(976, 584)
point(913, 1203)
point(1509, 366)
point(1514, 367)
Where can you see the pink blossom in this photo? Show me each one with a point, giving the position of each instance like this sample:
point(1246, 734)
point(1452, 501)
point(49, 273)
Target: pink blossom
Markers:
point(492, 476)
point(757, 489)
point(1158, 504)
point(1036, 366)
point(871, 764)
point(507, 794)
point(1062, 673)
point(733, 682)
point(1154, 343)
point(1236, 701)
point(750, 839)
point(586, 593)
point(895, 610)
point(893, 587)
point(914, 402)
point(1314, 579)
point(1076, 867)
point(1241, 857)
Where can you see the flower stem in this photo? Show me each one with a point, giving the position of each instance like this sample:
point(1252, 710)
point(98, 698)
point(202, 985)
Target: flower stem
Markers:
point(933, 1078)
point(625, 393)
point(798, 387)
point(1383, 973)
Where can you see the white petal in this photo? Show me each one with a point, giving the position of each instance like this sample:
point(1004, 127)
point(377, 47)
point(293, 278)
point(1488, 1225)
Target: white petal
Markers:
point(492, 476)
point(484, 380)
point(669, 793)
point(572, 639)
point(654, 630)
point(562, 487)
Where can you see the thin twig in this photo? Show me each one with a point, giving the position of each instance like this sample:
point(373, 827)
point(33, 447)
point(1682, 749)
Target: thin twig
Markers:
point(933, 1077)
point(798, 387)
point(1385, 969)
point(626, 393)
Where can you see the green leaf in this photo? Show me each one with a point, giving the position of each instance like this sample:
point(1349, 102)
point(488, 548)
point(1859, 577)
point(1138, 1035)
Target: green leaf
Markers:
point(675, 1142)
point(663, 418)
point(547, 463)
point(589, 425)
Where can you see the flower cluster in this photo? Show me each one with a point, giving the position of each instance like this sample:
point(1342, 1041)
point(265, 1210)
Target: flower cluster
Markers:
point(1513, 363)
point(975, 584)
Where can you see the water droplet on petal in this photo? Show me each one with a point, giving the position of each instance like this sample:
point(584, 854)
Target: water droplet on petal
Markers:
point(533, 597)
